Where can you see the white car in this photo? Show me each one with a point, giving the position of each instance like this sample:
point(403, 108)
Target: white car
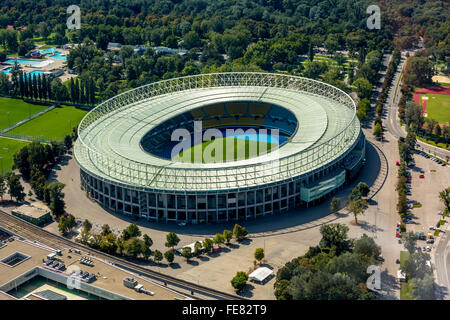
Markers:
point(432, 228)
point(428, 248)
point(439, 213)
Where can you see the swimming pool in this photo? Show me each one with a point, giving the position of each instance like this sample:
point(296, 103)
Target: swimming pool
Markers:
point(59, 56)
point(7, 70)
point(35, 73)
point(47, 51)
point(33, 63)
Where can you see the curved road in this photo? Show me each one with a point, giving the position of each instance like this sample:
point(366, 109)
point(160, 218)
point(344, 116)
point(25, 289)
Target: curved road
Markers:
point(392, 121)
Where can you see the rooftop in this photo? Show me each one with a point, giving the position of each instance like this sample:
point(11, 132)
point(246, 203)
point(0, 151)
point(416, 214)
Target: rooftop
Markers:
point(31, 210)
point(110, 135)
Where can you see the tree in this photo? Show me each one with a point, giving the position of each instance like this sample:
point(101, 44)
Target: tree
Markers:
point(134, 247)
point(68, 141)
point(239, 232)
point(87, 225)
point(219, 239)
point(147, 240)
point(444, 196)
point(416, 265)
point(366, 246)
point(363, 88)
point(331, 44)
point(239, 280)
point(423, 289)
point(57, 203)
point(131, 231)
point(418, 71)
point(378, 130)
point(191, 40)
point(169, 255)
point(363, 188)
point(157, 256)
point(207, 244)
point(259, 254)
point(172, 240)
point(411, 140)
point(106, 230)
point(228, 235)
point(409, 241)
point(108, 243)
point(66, 224)
point(310, 52)
point(357, 208)
point(335, 204)
point(186, 253)
point(3, 183)
point(15, 188)
point(197, 248)
point(334, 236)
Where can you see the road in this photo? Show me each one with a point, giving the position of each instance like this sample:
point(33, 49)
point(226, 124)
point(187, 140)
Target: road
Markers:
point(392, 122)
point(442, 263)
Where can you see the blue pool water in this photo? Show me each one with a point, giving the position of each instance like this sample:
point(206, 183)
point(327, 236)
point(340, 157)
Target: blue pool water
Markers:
point(27, 62)
point(6, 71)
point(35, 73)
point(59, 56)
point(48, 50)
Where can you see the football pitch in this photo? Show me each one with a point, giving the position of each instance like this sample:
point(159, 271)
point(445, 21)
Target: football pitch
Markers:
point(7, 149)
point(233, 149)
point(438, 107)
point(53, 125)
point(15, 110)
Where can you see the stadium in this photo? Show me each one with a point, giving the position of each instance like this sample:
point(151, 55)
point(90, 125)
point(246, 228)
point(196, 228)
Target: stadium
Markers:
point(125, 147)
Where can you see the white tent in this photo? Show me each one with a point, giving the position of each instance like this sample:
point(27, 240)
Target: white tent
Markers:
point(401, 275)
point(260, 274)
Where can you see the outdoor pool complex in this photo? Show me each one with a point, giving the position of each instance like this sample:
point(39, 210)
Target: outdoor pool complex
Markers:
point(124, 145)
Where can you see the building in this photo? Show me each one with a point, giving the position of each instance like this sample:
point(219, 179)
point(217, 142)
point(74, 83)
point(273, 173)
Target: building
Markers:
point(26, 273)
point(113, 46)
point(126, 165)
point(33, 214)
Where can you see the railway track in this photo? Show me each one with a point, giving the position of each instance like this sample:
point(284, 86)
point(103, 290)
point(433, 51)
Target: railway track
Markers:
point(34, 233)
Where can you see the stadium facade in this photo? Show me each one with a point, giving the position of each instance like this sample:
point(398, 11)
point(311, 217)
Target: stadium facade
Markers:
point(122, 147)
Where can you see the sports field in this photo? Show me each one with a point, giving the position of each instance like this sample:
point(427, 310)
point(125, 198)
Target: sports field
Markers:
point(14, 110)
point(438, 107)
point(233, 149)
point(7, 149)
point(53, 125)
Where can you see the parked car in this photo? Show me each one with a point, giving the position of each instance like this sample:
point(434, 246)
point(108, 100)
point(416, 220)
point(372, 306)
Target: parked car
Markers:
point(432, 228)
point(428, 249)
point(430, 241)
point(397, 163)
point(421, 176)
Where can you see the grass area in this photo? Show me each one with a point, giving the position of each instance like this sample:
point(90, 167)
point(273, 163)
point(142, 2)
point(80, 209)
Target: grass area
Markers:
point(406, 291)
point(438, 107)
point(7, 149)
point(53, 125)
point(431, 142)
point(15, 110)
point(228, 153)
point(405, 287)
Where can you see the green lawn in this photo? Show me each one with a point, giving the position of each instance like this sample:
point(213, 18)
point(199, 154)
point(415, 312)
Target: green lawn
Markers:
point(14, 110)
point(228, 153)
point(438, 107)
point(53, 125)
point(406, 291)
point(7, 149)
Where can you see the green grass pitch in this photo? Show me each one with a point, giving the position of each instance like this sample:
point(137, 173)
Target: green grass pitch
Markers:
point(231, 150)
point(438, 107)
point(7, 149)
point(15, 110)
point(53, 125)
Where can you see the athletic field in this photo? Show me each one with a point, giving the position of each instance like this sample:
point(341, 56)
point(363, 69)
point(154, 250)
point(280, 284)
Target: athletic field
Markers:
point(7, 149)
point(15, 110)
point(53, 125)
point(435, 102)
